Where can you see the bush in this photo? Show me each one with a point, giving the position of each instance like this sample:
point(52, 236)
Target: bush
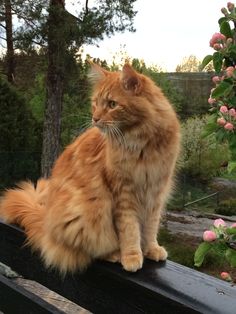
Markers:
point(201, 156)
point(227, 207)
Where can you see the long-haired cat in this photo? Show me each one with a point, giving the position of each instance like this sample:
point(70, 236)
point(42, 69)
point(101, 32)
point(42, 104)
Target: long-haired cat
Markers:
point(107, 189)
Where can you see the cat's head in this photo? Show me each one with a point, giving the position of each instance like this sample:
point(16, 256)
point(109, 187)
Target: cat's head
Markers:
point(122, 101)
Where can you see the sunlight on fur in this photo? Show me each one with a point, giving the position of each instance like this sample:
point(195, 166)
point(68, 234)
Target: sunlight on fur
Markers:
point(108, 188)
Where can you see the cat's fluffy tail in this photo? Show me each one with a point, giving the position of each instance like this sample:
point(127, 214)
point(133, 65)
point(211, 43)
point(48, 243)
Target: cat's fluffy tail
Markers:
point(25, 205)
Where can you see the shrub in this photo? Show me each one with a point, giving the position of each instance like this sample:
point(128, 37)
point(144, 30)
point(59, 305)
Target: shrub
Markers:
point(201, 156)
point(227, 207)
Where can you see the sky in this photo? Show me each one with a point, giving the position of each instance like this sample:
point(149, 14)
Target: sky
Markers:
point(166, 32)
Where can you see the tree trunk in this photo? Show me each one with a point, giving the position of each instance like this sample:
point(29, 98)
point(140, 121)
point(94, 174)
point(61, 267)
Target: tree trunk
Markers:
point(55, 84)
point(9, 39)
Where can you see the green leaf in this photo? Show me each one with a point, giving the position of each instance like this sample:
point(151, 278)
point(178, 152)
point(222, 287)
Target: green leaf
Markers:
point(222, 90)
point(201, 252)
point(231, 167)
point(225, 29)
point(232, 51)
point(231, 257)
point(217, 61)
point(221, 20)
point(231, 230)
point(205, 62)
point(211, 126)
point(220, 248)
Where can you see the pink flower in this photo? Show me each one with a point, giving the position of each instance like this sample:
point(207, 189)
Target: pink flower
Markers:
point(221, 121)
point(217, 47)
point(223, 109)
point(211, 101)
point(229, 126)
point(209, 236)
point(230, 6)
point(219, 222)
point(226, 276)
point(232, 112)
point(216, 79)
point(230, 71)
point(217, 38)
point(233, 225)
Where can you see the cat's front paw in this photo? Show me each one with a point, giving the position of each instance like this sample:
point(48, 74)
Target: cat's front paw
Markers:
point(156, 253)
point(132, 261)
point(114, 257)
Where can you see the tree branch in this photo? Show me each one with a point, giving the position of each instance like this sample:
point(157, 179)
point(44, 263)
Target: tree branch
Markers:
point(2, 38)
point(86, 7)
point(2, 25)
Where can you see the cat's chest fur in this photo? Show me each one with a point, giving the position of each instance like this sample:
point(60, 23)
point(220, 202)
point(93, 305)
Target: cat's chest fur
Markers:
point(142, 171)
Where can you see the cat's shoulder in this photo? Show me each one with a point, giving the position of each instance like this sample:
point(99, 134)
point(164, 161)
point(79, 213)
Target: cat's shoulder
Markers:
point(90, 140)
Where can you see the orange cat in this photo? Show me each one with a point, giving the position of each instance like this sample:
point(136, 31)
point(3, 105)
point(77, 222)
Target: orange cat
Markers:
point(108, 188)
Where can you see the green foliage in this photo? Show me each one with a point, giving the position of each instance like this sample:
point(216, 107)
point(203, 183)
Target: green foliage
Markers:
point(223, 89)
point(231, 257)
point(200, 253)
point(223, 96)
point(17, 125)
point(20, 133)
point(37, 98)
point(201, 156)
point(227, 207)
point(93, 22)
point(205, 62)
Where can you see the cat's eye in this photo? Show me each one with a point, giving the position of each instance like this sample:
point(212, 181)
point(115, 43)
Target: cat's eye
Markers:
point(112, 104)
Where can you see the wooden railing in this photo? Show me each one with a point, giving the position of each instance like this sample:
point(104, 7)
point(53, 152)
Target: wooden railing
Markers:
point(106, 288)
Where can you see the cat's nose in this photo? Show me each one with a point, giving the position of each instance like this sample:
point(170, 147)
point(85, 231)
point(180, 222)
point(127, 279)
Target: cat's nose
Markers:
point(96, 119)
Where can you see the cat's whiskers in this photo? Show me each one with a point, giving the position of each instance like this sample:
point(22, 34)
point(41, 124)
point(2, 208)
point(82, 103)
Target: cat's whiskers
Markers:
point(115, 133)
point(84, 126)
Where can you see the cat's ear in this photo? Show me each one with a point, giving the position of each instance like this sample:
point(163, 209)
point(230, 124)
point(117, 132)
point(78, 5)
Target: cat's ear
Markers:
point(96, 73)
point(130, 79)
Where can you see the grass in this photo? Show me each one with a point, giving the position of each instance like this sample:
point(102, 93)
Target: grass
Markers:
point(190, 191)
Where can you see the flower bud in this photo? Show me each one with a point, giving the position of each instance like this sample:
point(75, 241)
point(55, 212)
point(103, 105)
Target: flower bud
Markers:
point(209, 236)
point(211, 101)
point(217, 47)
point(224, 11)
point(232, 112)
point(230, 71)
point(230, 6)
point(233, 225)
point(229, 41)
point(217, 38)
point(223, 109)
point(229, 126)
point(216, 79)
point(226, 276)
point(221, 121)
point(219, 222)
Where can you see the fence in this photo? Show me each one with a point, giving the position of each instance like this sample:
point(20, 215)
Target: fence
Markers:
point(195, 88)
point(106, 288)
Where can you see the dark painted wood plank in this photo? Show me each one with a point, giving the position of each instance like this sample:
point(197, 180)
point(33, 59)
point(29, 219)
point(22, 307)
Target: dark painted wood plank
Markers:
point(106, 288)
point(15, 299)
